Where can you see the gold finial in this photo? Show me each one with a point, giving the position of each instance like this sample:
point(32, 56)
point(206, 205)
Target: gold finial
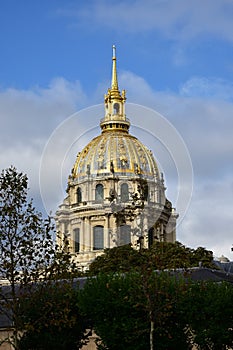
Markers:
point(114, 70)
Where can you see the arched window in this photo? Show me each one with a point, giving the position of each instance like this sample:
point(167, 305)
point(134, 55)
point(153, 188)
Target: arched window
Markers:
point(145, 193)
point(150, 237)
point(79, 195)
point(124, 235)
point(116, 108)
point(99, 193)
point(124, 192)
point(76, 235)
point(98, 237)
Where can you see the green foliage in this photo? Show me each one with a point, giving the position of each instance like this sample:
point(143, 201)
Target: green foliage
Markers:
point(28, 253)
point(25, 237)
point(166, 255)
point(208, 306)
point(162, 255)
point(123, 306)
point(52, 319)
point(107, 299)
point(159, 299)
point(183, 313)
point(118, 259)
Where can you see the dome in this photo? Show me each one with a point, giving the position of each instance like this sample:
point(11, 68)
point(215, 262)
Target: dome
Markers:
point(115, 152)
point(115, 193)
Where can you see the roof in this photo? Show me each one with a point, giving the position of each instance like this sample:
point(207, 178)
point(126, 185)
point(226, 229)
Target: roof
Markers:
point(115, 152)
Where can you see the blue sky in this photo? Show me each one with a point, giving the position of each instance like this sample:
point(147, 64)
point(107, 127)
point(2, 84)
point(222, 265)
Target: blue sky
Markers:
point(175, 57)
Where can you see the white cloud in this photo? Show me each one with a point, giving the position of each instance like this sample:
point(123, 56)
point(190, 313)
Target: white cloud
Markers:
point(207, 88)
point(27, 119)
point(209, 222)
point(44, 109)
point(137, 88)
point(177, 19)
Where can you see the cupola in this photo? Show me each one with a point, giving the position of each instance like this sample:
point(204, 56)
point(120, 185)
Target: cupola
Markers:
point(115, 118)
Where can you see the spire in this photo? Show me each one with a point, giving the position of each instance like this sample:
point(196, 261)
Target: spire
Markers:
point(114, 91)
point(115, 118)
point(114, 70)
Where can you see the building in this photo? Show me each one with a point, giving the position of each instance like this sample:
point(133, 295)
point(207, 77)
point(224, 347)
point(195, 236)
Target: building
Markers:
point(115, 194)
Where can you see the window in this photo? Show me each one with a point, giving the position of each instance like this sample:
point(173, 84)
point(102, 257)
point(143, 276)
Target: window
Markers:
point(145, 192)
point(124, 192)
point(76, 240)
point(98, 237)
point(79, 195)
point(150, 237)
point(125, 235)
point(116, 108)
point(99, 193)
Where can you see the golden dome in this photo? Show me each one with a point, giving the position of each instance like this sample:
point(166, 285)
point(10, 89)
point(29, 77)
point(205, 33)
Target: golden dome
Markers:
point(115, 151)
point(115, 194)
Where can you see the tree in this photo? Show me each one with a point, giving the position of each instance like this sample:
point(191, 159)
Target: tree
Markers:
point(28, 254)
point(162, 255)
point(167, 255)
point(185, 314)
point(107, 300)
point(52, 318)
point(123, 306)
point(209, 309)
point(118, 259)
